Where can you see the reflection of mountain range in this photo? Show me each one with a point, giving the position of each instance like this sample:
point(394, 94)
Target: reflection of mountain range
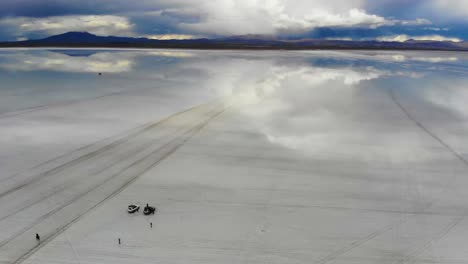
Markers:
point(84, 39)
point(76, 52)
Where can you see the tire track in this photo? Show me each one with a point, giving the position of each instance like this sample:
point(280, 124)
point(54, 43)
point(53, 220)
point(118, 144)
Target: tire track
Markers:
point(89, 155)
point(457, 220)
point(371, 236)
point(126, 156)
point(126, 175)
point(354, 245)
point(31, 109)
point(411, 258)
point(66, 185)
point(26, 110)
point(51, 213)
point(426, 130)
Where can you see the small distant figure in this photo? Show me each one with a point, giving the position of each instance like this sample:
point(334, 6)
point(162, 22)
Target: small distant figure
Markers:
point(100, 73)
point(38, 238)
point(151, 224)
point(119, 240)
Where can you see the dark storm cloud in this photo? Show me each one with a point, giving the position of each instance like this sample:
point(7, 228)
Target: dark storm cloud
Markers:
point(47, 8)
point(43, 8)
point(357, 19)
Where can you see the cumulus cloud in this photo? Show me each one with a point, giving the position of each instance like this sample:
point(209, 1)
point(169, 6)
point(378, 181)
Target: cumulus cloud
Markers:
point(183, 19)
point(403, 38)
point(171, 36)
point(436, 29)
point(416, 22)
point(226, 17)
point(101, 25)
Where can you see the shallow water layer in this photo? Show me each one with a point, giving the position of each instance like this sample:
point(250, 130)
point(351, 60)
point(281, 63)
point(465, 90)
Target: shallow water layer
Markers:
point(312, 142)
point(309, 100)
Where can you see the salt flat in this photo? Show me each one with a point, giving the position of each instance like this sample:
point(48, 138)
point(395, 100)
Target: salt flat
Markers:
point(271, 157)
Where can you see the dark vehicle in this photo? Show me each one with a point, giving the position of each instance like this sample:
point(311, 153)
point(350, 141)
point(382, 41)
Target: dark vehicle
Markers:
point(149, 210)
point(133, 208)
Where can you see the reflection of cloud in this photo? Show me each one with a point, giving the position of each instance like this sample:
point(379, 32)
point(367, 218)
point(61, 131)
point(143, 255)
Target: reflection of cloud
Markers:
point(435, 59)
point(99, 62)
point(171, 53)
point(106, 62)
point(404, 58)
point(403, 38)
point(320, 103)
point(320, 110)
point(252, 80)
point(452, 97)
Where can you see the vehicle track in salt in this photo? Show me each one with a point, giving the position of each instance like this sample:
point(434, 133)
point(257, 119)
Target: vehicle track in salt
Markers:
point(452, 223)
point(31, 109)
point(83, 154)
point(64, 187)
point(26, 110)
point(74, 181)
point(149, 156)
point(82, 194)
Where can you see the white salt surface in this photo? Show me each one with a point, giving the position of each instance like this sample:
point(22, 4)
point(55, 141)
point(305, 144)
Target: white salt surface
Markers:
point(308, 158)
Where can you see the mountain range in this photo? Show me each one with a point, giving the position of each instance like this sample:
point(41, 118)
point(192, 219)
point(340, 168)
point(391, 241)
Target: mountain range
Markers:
point(85, 39)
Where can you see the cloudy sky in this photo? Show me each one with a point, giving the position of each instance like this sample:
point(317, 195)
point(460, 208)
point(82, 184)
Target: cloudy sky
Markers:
point(397, 20)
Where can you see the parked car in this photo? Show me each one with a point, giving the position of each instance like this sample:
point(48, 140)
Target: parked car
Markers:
point(133, 208)
point(149, 210)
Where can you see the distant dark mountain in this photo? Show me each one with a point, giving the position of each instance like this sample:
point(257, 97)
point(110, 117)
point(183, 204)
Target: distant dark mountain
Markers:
point(85, 39)
point(76, 37)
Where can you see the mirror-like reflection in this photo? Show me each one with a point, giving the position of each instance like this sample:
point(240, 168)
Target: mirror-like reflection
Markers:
point(331, 137)
point(310, 101)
